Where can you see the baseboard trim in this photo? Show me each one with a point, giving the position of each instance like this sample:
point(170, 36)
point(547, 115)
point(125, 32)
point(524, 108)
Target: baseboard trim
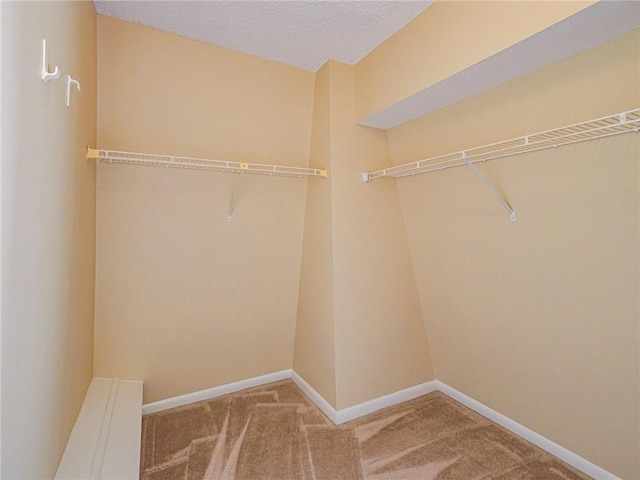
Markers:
point(315, 397)
point(544, 443)
point(346, 414)
point(385, 401)
point(214, 392)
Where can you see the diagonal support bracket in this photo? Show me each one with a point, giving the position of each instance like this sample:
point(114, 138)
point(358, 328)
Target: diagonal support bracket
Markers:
point(491, 188)
point(234, 198)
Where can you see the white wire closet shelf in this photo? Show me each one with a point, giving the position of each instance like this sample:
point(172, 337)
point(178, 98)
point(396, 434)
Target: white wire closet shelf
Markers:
point(171, 161)
point(607, 126)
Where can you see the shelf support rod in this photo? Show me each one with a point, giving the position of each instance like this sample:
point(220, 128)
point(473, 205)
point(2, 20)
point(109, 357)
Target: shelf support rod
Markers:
point(234, 198)
point(491, 188)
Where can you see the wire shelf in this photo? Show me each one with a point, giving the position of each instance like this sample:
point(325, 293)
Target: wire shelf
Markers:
point(602, 127)
point(168, 161)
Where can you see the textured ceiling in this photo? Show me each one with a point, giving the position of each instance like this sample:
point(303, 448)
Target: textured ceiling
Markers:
point(301, 33)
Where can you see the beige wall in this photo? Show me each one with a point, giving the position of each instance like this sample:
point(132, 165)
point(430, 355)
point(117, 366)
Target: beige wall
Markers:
point(184, 300)
point(48, 231)
point(537, 319)
point(379, 339)
point(381, 344)
point(314, 355)
point(446, 38)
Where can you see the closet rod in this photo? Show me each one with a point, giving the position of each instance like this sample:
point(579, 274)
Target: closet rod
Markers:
point(169, 161)
point(615, 124)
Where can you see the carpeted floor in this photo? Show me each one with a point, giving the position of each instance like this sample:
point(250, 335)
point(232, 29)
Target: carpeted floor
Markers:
point(274, 432)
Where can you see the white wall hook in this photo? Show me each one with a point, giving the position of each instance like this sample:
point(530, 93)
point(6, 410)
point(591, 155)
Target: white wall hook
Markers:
point(70, 82)
point(44, 73)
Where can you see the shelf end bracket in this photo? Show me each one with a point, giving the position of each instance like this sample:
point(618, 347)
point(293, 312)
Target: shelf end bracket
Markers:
point(92, 153)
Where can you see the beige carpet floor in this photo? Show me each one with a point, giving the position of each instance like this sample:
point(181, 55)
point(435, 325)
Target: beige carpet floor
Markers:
point(275, 432)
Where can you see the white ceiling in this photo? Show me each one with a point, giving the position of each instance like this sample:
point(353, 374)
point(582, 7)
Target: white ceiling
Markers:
point(301, 33)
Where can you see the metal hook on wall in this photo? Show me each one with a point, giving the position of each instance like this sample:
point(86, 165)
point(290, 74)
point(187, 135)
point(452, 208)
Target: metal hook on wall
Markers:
point(46, 75)
point(71, 82)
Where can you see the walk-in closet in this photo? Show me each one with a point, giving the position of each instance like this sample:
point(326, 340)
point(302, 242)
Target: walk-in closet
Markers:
point(320, 240)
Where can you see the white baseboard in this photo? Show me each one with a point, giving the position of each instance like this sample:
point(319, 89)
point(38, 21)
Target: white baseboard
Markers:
point(214, 392)
point(357, 411)
point(544, 443)
point(362, 409)
point(390, 400)
point(315, 397)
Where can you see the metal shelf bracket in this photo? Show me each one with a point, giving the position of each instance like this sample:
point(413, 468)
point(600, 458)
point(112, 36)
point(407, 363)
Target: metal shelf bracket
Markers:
point(234, 197)
point(490, 186)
